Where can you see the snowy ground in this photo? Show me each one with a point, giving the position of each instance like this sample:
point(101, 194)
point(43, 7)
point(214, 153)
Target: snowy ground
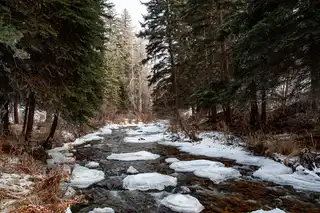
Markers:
point(213, 144)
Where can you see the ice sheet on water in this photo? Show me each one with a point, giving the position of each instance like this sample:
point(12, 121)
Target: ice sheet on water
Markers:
point(171, 160)
point(182, 203)
point(218, 174)
point(92, 164)
point(87, 138)
point(83, 177)
point(193, 165)
point(102, 210)
point(144, 138)
point(131, 156)
point(105, 130)
point(276, 210)
point(269, 170)
point(132, 170)
point(148, 181)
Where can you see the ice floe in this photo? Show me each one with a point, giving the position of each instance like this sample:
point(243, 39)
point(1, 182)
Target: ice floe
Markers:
point(87, 138)
point(102, 210)
point(148, 181)
point(83, 177)
point(276, 210)
point(132, 170)
point(144, 138)
point(217, 174)
point(131, 156)
point(215, 145)
point(182, 203)
point(193, 165)
point(171, 160)
point(92, 164)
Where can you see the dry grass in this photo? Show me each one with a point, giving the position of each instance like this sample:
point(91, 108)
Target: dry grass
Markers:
point(264, 144)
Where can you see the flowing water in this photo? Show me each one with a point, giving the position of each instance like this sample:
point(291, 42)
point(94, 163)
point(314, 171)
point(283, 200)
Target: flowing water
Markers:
point(234, 196)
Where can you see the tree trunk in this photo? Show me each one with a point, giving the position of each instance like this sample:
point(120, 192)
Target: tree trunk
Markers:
point(47, 144)
point(213, 117)
point(32, 106)
point(6, 118)
point(314, 75)
point(263, 118)
point(225, 75)
point(16, 112)
point(254, 113)
point(25, 119)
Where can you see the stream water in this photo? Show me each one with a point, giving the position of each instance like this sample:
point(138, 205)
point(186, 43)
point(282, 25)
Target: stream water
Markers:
point(245, 194)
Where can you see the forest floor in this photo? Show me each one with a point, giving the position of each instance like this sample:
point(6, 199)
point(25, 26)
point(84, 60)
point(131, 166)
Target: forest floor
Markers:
point(144, 168)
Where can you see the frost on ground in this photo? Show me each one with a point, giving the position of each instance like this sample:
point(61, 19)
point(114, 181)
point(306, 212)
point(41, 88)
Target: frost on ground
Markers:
point(171, 160)
point(215, 145)
point(182, 203)
point(218, 174)
point(148, 181)
point(83, 177)
point(132, 170)
point(102, 210)
point(92, 164)
point(19, 184)
point(142, 155)
point(270, 211)
point(193, 165)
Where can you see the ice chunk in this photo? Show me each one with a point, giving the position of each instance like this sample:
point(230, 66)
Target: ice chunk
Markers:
point(193, 165)
point(87, 138)
point(217, 174)
point(105, 130)
point(147, 181)
point(171, 160)
point(92, 164)
point(83, 177)
point(142, 155)
point(276, 210)
point(182, 203)
point(132, 170)
point(68, 210)
point(104, 210)
point(144, 138)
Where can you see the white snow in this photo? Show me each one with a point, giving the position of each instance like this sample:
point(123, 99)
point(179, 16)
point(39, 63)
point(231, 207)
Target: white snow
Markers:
point(87, 146)
point(83, 177)
point(68, 210)
point(86, 138)
point(132, 170)
point(215, 145)
point(58, 158)
point(92, 164)
point(193, 165)
point(18, 183)
point(171, 160)
point(147, 181)
point(131, 156)
point(144, 138)
point(105, 130)
point(276, 210)
point(217, 174)
point(102, 210)
point(182, 203)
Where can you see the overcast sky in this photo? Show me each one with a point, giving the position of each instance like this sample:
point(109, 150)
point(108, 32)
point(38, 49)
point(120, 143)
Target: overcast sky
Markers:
point(135, 8)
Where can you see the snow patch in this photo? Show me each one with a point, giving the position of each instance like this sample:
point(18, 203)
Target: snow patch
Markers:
point(92, 164)
point(142, 155)
point(147, 181)
point(102, 210)
point(83, 177)
point(17, 183)
point(87, 138)
point(218, 174)
point(182, 203)
point(276, 210)
point(215, 144)
point(171, 160)
point(193, 165)
point(105, 130)
point(132, 170)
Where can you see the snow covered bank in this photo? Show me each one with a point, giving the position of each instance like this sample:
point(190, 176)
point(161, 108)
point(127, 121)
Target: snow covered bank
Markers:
point(182, 203)
point(270, 211)
point(132, 156)
point(148, 181)
point(83, 177)
point(215, 145)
